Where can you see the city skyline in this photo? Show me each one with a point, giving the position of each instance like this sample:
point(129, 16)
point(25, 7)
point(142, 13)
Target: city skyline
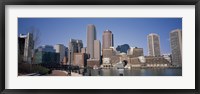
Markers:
point(133, 30)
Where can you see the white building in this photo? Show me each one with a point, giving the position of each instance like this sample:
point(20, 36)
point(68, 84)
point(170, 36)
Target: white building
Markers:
point(153, 44)
point(28, 48)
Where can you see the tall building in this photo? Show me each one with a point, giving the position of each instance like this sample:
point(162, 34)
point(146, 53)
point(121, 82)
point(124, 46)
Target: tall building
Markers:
point(21, 44)
point(107, 39)
point(91, 36)
point(153, 44)
point(176, 46)
point(74, 46)
point(28, 48)
point(60, 49)
point(97, 49)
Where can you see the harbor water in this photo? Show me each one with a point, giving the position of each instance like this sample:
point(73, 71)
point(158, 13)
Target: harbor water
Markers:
point(133, 72)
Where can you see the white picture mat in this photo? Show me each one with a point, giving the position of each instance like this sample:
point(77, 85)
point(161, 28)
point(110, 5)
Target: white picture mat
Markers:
point(186, 81)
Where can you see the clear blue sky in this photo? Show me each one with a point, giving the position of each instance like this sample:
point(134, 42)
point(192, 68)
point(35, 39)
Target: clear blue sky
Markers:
point(132, 31)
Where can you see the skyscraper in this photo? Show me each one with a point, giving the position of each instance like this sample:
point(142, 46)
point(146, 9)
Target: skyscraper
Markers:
point(153, 44)
point(28, 48)
point(60, 49)
point(176, 46)
point(91, 36)
point(21, 44)
point(107, 39)
point(97, 49)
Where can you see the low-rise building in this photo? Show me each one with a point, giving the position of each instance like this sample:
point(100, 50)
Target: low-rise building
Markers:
point(46, 54)
point(167, 57)
point(93, 62)
point(135, 52)
point(46, 57)
point(158, 61)
point(106, 63)
point(80, 59)
point(107, 53)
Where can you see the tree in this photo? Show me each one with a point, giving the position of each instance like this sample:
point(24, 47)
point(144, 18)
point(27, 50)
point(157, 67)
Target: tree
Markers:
point(36, 40)
point(36, 36)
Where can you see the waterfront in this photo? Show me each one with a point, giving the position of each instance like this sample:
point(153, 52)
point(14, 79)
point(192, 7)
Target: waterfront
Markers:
point(95, 56)
point(134, 72)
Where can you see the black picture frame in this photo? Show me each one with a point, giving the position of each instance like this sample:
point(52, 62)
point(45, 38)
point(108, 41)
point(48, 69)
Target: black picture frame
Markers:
point(3, 3)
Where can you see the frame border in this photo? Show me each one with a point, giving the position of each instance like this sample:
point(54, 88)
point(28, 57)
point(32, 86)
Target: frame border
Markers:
point(3, 3)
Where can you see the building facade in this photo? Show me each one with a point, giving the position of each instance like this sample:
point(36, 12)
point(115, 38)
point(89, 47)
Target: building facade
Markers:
point(46, 54)
point(65, 60)
point(60, 49)
point(107, 39)
point(21, 45)
point(107, 53)
point(74, 46)
point(135, 51)
point(97, 49)
point(46, 57)
point(168, 57)
point(46, 48)
point(28, 48)
point(91, 36)
point(176, 47)
point(93, 63)
point(153, 44)
point(80, 59)
point(83, 50)
point(79, 45)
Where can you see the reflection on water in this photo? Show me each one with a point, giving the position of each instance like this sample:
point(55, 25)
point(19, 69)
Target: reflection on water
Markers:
point(132, 72)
